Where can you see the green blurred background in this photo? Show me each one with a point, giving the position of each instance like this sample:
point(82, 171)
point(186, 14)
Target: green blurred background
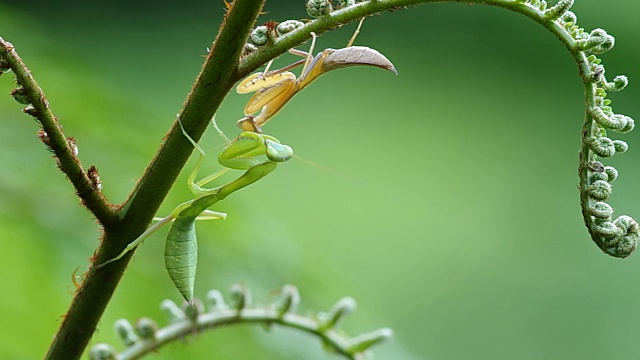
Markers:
point(446, 202)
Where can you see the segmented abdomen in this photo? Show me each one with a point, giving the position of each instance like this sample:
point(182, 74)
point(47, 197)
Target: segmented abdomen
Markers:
point(181, 256)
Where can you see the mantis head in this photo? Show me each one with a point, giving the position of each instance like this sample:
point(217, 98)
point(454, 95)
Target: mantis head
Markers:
point(277, 152)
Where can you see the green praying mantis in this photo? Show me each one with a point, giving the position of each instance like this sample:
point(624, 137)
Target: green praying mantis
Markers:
point(273, 89)
point(181, 247)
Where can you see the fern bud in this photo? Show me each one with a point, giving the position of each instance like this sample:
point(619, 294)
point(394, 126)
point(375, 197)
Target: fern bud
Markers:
point(146, 328)
point(172, 311)
point(599, 190)
point(597, 42)
point(620, 146)
point(102, 352)
point(365, 341)
point(338, 312)
point(598, 176)
point(602, 146)
point(607, 229)
point(288, 26)
point(125, 332)
point(619, 83)
point(623, 245)
point(630, 124)
point(193, 309)
point(260, 35)
point(569, 19)
point(318, 8)
point(611, 172)
point(616, 122)
point(290, 300)
point(240, 297)
point(601, 210)
point(558, 10)
point(216, 300)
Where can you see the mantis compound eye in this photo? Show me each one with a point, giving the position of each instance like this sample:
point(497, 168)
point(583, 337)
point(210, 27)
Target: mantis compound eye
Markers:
point(277, 152)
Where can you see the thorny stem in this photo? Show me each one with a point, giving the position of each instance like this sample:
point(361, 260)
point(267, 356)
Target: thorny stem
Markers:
point(213, 83)
point(88, 192)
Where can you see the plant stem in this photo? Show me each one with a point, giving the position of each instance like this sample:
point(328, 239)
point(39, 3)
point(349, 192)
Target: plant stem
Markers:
point(213, 83)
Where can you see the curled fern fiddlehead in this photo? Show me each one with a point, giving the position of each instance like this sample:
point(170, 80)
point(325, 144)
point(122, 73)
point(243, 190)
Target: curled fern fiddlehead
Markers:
point(146, 336)
point(617, 237)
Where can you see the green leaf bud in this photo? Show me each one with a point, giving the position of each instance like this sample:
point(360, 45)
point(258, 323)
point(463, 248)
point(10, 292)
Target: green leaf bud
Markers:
point(607, 230)
point(365, 341)
point(260, 35)
point(288, 26)
point(102, 352)
point(599, 190)
point(597, 42)
point(146, 328)
point(558, 10)
point(240, 297)
point(216, 300)
point(318, 8)
point(624, 244)
point(338, 312)
point(193, 309)
point(172, 311)
point(616, 122)
point(125, 332)
point(598, 176)
point(602, 146)
point(619, 83)
point(620, 146)
point(611, 172)
point(290, 300)
point(601, 210)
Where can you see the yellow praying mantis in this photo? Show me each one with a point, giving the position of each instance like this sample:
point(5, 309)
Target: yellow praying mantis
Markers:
point(181, 247)
point(273, 89)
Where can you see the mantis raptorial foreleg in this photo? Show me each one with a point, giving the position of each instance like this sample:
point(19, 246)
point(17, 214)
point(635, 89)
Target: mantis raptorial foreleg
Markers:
point(181, 243)
point(273, 89)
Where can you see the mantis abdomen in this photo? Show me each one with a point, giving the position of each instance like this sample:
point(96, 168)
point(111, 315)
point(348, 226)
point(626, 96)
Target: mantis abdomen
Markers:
point(181, 255)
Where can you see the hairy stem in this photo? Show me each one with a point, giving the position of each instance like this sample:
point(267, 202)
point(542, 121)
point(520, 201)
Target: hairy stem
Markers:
point(212, 84)
point(68, 162)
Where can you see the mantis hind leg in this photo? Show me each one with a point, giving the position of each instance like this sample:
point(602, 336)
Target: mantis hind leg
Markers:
point(355, 34)
point(132, 245)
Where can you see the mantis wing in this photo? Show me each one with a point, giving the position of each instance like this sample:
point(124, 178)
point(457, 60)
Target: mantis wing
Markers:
point(356, 55)
point(269, 96)
point(260, 81)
